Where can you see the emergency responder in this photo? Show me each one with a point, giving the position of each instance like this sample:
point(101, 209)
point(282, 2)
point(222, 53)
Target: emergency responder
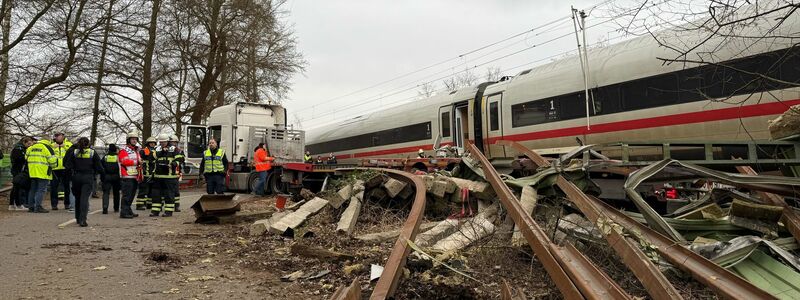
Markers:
point(19, 192)
point(41, 161)
point(59, 185)
point(110, 178)
point(143, 200)
point(165, 178)
point(263, 163)
point(331, 159)
point(420, 153)
point(307, 158)
point(213, 167)
point(130, 173)
point(181, 159)
point(83, 164)
point(319, 160)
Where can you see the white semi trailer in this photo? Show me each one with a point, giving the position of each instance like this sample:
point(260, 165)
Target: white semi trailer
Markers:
point(239, 128)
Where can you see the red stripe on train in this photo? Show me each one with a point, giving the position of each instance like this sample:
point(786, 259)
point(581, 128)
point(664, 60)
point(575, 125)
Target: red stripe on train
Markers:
point(755, 110)
point(748, 111)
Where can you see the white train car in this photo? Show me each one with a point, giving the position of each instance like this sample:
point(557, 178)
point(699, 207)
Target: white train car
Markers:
point(635, 97)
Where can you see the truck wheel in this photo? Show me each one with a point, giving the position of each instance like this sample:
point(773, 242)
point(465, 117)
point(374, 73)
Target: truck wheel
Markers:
point(276, 186)
point(252, 180)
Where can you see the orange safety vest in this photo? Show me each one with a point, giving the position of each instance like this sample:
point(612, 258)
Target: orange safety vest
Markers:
point(263, 161)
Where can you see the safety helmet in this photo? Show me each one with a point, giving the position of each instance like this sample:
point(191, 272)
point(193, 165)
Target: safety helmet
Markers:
point(151, 139)
point(132, 134)
point(173, 138)
point(163, 137)
point(420, 150)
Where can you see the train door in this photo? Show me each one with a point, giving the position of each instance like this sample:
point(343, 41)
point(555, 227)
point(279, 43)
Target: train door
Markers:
point(494, 125)
point(445, 125)
point(461, 125)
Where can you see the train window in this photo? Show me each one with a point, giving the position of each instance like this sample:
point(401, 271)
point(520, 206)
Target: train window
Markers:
point(494, 116)
point(533, 112)
point(607, 100)
point(410, 133)
point(571, 106)
point(445, 124)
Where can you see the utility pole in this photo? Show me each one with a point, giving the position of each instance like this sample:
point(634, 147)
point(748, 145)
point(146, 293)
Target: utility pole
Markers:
point(579, 23)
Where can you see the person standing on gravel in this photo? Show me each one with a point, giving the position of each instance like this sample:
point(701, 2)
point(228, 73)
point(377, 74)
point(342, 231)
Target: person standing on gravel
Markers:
point(213, 167)
point(110, 178)
point(83, 165)
point(263, 162)
point(41, 161)
point(130, 173)
point(19, 192)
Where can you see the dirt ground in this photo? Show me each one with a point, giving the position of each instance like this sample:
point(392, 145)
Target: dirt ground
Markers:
point(175, 258)
point(113, 258)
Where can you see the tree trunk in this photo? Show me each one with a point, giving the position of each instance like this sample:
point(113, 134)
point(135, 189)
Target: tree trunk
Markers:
point(147, 76)
point(100, 74)
point(210, 72)
point(6, 31)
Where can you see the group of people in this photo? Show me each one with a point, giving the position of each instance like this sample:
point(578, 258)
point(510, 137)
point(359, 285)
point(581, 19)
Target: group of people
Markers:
point(309, 160)
point(71, 170)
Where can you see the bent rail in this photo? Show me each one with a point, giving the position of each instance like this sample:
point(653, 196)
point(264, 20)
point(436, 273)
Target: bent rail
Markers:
point(390, 278)
point(722, 281)
point(574, 274)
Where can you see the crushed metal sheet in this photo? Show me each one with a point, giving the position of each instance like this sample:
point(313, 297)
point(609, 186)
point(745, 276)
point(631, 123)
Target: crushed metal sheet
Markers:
point(769, 275)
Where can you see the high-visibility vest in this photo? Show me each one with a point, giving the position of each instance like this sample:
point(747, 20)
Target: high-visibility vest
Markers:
point(111, 158)
point(84, 153)
point(307, 158)
point(41, 161)
point(60, 152)
point(213, 162)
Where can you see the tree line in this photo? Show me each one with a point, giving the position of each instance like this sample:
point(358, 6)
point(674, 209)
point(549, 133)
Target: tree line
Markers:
point(104, 67)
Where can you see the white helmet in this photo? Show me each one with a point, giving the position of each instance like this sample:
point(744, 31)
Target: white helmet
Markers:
point(173, 138)
point(132, 134)
point(163, 137)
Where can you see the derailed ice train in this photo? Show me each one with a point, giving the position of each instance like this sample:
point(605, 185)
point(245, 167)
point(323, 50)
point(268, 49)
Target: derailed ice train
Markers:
point(636, 97)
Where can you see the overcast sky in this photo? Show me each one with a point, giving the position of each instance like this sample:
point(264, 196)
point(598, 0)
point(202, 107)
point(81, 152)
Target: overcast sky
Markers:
point(351, 45)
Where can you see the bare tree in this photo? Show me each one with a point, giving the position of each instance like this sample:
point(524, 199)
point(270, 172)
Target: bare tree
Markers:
point(492, 74)
point(426, 90)
point(461, 79)
point(100, 72)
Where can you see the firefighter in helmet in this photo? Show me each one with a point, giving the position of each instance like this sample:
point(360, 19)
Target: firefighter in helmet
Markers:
point(148, 164)
point(164, 178)
point(180, 157)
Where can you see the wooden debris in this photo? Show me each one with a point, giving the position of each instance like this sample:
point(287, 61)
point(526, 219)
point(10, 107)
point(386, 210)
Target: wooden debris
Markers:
point(380, 237)
point(295, 219)
point(508, 293)
point(244, 217)
point(528, 203)
point(347, 223)
point(711, 211)
point(319, 253)
point(768, 213)
point(785, 125)
point(350, 292)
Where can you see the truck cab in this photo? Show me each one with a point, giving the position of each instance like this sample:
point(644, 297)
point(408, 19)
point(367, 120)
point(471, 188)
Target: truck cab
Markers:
point(238, 128)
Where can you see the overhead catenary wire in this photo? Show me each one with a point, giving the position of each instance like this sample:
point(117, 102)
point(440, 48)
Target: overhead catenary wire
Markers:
point(445, 61)
point(400, 90)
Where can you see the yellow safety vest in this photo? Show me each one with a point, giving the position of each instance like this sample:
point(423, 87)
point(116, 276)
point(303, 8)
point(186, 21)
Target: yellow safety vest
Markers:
point(84, 153)
point(111, 158)
point(60, 152)
point(40, 161)
point(213, 162)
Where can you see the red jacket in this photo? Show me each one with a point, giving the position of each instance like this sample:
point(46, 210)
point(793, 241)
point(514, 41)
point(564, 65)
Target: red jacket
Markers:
point(263, 160)
point(129, 163)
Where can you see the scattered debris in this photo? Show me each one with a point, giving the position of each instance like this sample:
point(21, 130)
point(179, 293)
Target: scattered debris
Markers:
point(347, 222)
point(295, 219)
point(380, 237)
point(375, 272)
point(318, 253)
point(293, 276)
point(100, 268)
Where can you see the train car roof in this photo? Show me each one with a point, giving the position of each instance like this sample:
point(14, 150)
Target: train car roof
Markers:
point(624, 61)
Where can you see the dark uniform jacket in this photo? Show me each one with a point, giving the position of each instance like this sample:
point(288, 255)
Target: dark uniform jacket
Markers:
point(76, 164)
